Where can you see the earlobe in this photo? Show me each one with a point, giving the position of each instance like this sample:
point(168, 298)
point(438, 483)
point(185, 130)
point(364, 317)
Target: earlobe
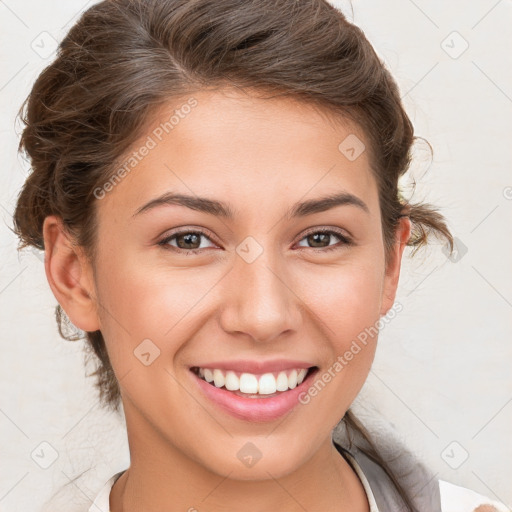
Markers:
point(69, 275)
point(392, 274)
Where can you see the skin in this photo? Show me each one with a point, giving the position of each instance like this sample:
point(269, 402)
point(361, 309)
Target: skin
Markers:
point(296, 300)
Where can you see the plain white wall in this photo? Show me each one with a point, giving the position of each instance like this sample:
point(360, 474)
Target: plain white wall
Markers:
point(441, 375)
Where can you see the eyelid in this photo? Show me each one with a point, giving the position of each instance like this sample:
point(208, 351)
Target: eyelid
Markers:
point(337, 231)
point(345, 238)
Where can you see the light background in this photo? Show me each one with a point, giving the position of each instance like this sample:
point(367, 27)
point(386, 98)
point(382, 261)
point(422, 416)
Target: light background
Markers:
point(441, 376)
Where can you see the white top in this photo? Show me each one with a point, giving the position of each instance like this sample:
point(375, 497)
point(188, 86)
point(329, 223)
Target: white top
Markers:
point(453, 497)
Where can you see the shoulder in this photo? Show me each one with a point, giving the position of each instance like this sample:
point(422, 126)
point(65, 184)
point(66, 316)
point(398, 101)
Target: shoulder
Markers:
point(102, 501)
point(455, 498)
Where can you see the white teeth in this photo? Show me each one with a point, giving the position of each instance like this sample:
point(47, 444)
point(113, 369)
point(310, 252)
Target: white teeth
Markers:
point(248, 383)
point(282, 382)
point(266, 384)
point(218, 378)
point(232, 382)
point(292, 379)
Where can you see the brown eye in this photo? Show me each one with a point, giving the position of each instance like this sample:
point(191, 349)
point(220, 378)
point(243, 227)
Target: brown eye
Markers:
point(187, 241)
point(321, 239)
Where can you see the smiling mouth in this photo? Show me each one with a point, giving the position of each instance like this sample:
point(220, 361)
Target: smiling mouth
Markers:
point(249, 385)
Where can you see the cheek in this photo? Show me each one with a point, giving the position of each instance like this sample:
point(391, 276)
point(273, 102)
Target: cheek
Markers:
point(346, 298)
point(346, 304)
point(144, 300)
point(147, 315)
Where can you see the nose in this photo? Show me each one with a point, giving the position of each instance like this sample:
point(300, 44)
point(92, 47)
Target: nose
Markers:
point(259, 301)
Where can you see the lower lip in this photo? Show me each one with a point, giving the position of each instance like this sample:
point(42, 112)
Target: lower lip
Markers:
point(254, 409)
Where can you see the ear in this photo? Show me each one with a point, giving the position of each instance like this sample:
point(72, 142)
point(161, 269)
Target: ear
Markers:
point(392, 274)
point(69, 274)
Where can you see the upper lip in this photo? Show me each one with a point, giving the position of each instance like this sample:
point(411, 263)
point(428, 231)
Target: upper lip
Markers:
point(256, 367)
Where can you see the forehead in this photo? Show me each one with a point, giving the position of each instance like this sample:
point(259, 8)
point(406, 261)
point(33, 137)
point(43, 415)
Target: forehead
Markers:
point(245, 150)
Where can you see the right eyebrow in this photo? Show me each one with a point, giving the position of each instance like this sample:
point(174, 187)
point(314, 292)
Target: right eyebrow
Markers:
point(201, 204)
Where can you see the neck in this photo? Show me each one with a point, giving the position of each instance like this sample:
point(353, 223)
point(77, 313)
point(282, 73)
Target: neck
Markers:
point(163, 477)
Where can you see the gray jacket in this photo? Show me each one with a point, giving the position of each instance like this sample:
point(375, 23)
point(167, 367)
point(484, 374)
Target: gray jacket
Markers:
point(412, 474)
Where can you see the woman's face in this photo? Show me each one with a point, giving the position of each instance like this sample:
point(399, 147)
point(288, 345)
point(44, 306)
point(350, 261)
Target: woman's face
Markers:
point(238, 276)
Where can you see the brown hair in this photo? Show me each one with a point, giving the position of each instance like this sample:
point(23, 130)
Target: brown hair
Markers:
point(125, 58)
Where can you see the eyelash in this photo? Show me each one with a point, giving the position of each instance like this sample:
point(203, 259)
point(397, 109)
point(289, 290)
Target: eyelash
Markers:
point(345, 240)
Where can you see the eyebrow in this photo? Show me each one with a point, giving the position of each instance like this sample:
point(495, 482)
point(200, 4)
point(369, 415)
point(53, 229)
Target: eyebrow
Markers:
point(224, 210)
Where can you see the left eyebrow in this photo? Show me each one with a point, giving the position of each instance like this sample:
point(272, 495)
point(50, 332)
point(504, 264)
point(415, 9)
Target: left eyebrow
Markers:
point(221, 209)
point(325, 203)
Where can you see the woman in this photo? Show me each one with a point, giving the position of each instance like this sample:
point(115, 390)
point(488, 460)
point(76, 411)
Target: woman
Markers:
point(215, 186)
